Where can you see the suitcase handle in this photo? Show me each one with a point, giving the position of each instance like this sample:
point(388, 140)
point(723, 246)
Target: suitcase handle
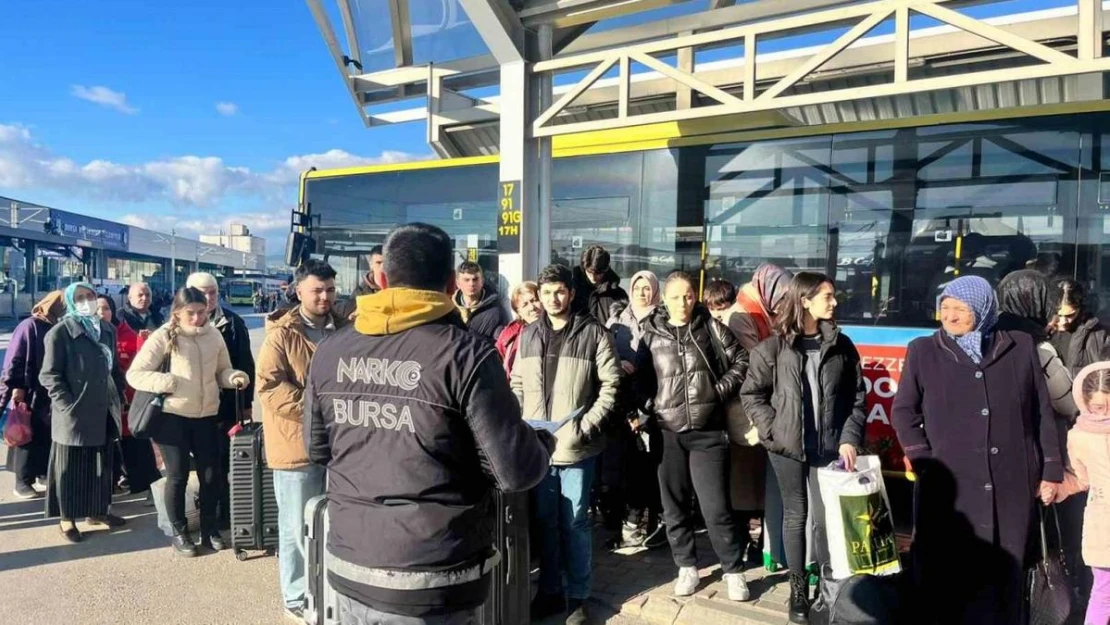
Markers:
point(509, 572)
point(239, 409)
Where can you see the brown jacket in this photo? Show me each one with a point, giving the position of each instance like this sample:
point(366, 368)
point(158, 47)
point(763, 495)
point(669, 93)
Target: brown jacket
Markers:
point(280, 374)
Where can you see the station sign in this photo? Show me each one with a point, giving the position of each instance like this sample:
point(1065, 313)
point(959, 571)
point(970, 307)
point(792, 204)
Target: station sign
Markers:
point(90, 229)
point(509, 220)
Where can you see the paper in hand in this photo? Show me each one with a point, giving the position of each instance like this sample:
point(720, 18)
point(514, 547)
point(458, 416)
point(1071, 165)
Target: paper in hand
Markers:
point(552, 426)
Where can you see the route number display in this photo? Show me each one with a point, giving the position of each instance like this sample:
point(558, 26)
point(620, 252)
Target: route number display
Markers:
point(509, 218)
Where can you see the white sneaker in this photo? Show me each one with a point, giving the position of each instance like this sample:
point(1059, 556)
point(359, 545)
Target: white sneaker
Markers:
point(687, 583)
point(737, 587)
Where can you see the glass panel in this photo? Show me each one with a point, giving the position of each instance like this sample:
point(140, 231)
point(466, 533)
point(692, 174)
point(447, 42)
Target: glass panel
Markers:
point(625, 203)
point(767, 202)
point(356, 212)
point(1093, 250)
point(442, 31)
point(970, 200)
point(373, 27)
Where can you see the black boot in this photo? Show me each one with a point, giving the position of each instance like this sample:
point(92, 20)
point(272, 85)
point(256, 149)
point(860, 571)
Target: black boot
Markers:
point(184, 546)
point(799, 599)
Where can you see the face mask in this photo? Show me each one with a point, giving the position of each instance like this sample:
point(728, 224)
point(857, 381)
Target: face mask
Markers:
point(85, 308)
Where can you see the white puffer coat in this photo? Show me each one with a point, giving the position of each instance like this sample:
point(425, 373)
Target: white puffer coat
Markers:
point(199, 368)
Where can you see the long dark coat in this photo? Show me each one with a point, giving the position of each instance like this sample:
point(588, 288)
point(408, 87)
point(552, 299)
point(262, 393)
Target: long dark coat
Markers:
point(981, 438)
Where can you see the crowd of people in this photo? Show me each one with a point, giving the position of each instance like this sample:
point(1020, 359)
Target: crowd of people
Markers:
point(663, 411)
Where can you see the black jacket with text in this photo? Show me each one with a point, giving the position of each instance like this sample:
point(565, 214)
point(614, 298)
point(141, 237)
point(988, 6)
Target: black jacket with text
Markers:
point(413, 418)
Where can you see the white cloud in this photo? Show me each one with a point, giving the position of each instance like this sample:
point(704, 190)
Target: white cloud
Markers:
point(197, 189)
point(98, 94)
point(227, 109)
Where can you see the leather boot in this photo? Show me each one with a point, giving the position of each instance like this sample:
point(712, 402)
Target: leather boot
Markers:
point(799, 599)
point(184, 546)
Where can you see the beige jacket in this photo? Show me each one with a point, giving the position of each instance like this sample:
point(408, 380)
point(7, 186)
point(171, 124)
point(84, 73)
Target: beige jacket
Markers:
point(199, 368)
point(279, 382)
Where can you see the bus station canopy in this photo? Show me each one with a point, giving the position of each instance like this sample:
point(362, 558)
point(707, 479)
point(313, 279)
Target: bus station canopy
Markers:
point(760, 63)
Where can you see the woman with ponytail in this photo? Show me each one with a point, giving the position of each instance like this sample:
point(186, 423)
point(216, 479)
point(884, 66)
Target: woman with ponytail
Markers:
point(198, 367)
point(80, 371)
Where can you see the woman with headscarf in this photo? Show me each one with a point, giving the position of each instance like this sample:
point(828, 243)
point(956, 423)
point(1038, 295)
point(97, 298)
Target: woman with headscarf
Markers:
point(135, 467)
point(20, 380)
point(81, 373)
point(1078, 336)
point(974, 417)
point(635, 447)
point(756, 304)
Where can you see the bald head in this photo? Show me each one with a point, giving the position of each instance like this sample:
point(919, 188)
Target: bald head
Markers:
point(139, 296)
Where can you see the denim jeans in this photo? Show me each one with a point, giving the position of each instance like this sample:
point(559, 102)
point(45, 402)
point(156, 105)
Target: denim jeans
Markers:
point(293, 489)
point(352, 612)
point(566, 539)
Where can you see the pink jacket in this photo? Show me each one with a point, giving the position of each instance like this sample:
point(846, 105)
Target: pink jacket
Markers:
point(1089, 448)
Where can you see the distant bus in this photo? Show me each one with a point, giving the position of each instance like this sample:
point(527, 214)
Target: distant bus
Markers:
point(240, 292)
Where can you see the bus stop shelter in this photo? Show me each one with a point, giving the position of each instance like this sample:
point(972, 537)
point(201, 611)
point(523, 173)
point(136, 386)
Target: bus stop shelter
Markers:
point(506, 76)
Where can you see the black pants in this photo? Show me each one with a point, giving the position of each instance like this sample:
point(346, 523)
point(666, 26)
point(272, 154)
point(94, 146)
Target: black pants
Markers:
point(178, 437)
point(793, 477)
point(698, 462)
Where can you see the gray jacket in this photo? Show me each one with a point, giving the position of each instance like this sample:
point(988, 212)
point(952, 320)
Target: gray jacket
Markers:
point(587, 377)
point(84, 392)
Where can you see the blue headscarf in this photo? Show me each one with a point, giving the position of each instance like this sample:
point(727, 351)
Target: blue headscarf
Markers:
point(979, 297)
point(91, 323)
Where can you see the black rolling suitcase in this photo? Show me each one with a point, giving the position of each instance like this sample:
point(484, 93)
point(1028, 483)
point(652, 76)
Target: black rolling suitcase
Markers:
point(321, 600)
point(510, 589)
point(254, 511)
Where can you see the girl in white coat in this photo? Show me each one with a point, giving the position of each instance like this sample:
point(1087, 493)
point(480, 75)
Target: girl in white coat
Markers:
point(198, 367)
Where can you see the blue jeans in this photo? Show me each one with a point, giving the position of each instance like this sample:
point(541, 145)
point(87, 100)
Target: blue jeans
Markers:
point(293, 489)
point(566, 539)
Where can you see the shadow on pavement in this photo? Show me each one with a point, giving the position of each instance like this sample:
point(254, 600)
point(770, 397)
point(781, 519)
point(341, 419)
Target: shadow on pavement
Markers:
point(140, 534)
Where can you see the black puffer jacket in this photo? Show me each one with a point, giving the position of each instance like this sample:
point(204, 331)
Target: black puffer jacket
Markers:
point(600, 300)
point(1086, 345)
point(773, 395)
point(682, 379)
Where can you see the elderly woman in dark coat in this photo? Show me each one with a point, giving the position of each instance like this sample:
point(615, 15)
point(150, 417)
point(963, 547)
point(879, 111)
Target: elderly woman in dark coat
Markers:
point(974, 417)
point(80, 371)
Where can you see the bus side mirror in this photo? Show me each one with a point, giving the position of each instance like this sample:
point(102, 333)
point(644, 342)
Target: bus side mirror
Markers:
point(298, 247)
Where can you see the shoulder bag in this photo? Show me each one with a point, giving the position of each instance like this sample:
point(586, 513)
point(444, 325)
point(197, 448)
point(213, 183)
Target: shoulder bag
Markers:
point(145, 412)
point(741, 429)
point(1049, 590)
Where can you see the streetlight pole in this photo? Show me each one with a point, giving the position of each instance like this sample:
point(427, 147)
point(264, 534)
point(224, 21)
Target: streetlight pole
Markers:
point(173, 260)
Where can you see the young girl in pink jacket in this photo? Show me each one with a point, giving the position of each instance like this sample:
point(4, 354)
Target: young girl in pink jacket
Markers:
point(1089, 450)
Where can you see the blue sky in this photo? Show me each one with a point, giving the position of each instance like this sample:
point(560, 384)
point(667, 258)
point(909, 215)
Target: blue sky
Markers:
point(192, 114)
point(152, 145)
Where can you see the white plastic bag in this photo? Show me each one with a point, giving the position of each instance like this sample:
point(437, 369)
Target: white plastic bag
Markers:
point(858, 521)
point(192, 504)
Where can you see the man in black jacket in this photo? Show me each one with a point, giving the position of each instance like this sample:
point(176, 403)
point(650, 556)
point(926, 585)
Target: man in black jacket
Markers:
point(139, 311)
point(479, 305)
point(597, 287)
point(416, 424)
point(238, 340)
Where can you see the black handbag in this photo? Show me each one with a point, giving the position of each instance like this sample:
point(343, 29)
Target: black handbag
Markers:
point(146, 409)
point(1049, 589)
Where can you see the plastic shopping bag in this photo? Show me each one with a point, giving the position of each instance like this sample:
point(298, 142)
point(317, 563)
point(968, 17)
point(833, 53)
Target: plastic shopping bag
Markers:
point(192, 504)
point(17, 427)
point(858, 520)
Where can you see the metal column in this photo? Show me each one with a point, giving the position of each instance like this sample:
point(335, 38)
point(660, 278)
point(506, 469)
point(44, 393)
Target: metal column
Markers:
point(524, 193)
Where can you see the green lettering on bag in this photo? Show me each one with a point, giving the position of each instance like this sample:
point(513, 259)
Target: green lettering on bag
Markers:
point(868, 533)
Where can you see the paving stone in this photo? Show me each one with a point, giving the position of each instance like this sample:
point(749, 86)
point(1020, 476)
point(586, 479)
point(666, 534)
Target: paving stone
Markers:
point(660, 610)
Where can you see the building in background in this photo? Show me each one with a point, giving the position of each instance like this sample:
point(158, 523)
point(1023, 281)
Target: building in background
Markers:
point(240, 239)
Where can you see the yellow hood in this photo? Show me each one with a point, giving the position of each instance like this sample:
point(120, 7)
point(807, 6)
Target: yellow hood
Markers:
point(396, 310)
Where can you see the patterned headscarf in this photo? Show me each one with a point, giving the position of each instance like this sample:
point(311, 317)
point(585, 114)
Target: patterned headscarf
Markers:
point(654, 282)
point(91, 323)
point(771, 282)
point(979, 297)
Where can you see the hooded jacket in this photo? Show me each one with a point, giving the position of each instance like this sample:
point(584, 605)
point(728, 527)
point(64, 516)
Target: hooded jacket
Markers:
point(599, 300)
point(1089, 450)
point(282, 368)
point(414, 420)
point(199, 368)
point(586, 379)
point(773, 395)
point(681, 373)
point(486, 319)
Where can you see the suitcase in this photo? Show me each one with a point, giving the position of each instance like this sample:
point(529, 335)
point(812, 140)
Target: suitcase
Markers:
point(510, 592)
point(321, 600)
point(254, 510)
